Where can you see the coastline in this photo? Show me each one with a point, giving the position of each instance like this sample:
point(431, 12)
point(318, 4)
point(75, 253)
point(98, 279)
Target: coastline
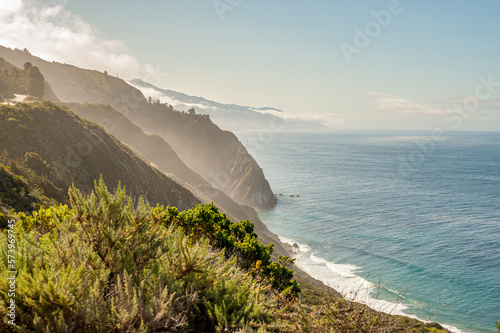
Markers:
point(349, 285)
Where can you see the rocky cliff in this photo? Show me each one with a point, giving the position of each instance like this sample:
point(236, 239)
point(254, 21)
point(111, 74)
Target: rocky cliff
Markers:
point(217, 155)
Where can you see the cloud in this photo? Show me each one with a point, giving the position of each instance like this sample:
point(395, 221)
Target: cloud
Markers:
point(332, 120)
point(395, 104)
point(457, 105)
point(50, 31)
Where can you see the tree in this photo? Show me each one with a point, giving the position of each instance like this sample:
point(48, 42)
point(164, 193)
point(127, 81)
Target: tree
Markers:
point(150, 100)
point(34, 81)
point(192, 111)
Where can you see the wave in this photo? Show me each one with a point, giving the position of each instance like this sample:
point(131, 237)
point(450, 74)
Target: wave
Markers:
point(343, 278)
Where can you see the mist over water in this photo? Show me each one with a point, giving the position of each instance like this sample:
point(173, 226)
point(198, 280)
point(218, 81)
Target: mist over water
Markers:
point(396, 217)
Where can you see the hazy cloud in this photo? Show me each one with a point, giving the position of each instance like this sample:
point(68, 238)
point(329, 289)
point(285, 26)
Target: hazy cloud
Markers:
point(50, 31)
point(395, 104)
point(332, 120)
point(457, 105)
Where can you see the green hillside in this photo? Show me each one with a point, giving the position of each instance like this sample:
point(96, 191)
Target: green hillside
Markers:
point(79, 151)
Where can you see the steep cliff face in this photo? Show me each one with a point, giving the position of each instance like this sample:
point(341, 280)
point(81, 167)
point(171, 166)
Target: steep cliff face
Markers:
point(156, 150)
point(79, 151)
point(217, 155)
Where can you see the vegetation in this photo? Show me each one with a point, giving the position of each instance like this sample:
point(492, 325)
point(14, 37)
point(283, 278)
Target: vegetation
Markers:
point(28, 81)
point(79, 152)
point(236, 239)
point(105, 264)
point(16, 195)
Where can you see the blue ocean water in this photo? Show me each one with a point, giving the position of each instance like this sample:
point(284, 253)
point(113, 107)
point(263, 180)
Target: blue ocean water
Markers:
point(408, 222)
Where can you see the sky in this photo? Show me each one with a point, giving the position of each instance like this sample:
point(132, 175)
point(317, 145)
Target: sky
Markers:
point(367, 64)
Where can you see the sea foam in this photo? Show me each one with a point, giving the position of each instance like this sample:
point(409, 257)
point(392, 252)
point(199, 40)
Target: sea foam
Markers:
point(343, 278)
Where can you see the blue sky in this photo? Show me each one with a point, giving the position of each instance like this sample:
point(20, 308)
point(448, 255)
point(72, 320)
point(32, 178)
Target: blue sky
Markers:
point(421, 63)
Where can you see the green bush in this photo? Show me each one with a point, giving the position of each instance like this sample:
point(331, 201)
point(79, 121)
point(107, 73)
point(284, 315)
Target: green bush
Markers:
point(105, 265)
point(236, 239)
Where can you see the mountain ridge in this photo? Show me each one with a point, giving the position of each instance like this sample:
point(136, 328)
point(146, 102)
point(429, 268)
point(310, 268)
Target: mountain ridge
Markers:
point(231, 117)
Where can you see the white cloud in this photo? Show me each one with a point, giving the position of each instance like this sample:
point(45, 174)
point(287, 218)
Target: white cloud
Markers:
point(328, 119)
point(50, 31)
point(457, 105)
point(395, 104)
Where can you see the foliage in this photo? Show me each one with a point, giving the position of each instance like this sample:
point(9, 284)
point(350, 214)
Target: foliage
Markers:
point(28, 81)
point(238, 239)
point(34, 81)
point(43, 176)
point(79, 151)
point(16, 195)
point(105, 265)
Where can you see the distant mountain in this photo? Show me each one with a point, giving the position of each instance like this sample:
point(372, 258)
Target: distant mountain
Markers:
point(230, 117)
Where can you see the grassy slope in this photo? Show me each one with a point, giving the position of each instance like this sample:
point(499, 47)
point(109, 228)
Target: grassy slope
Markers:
point(80, 151)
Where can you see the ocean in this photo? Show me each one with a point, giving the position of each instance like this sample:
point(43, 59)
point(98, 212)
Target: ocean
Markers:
point(406, 222)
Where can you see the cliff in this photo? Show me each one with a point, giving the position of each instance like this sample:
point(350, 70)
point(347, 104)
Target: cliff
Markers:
point(214, 154)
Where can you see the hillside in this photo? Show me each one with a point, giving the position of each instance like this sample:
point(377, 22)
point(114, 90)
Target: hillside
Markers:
point(79, 151)
point(214, 154)
point(73, 84)
point(156, 150)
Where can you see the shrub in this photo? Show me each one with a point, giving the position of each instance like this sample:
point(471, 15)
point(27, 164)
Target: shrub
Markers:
point(104, 265)
point(238, 239)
